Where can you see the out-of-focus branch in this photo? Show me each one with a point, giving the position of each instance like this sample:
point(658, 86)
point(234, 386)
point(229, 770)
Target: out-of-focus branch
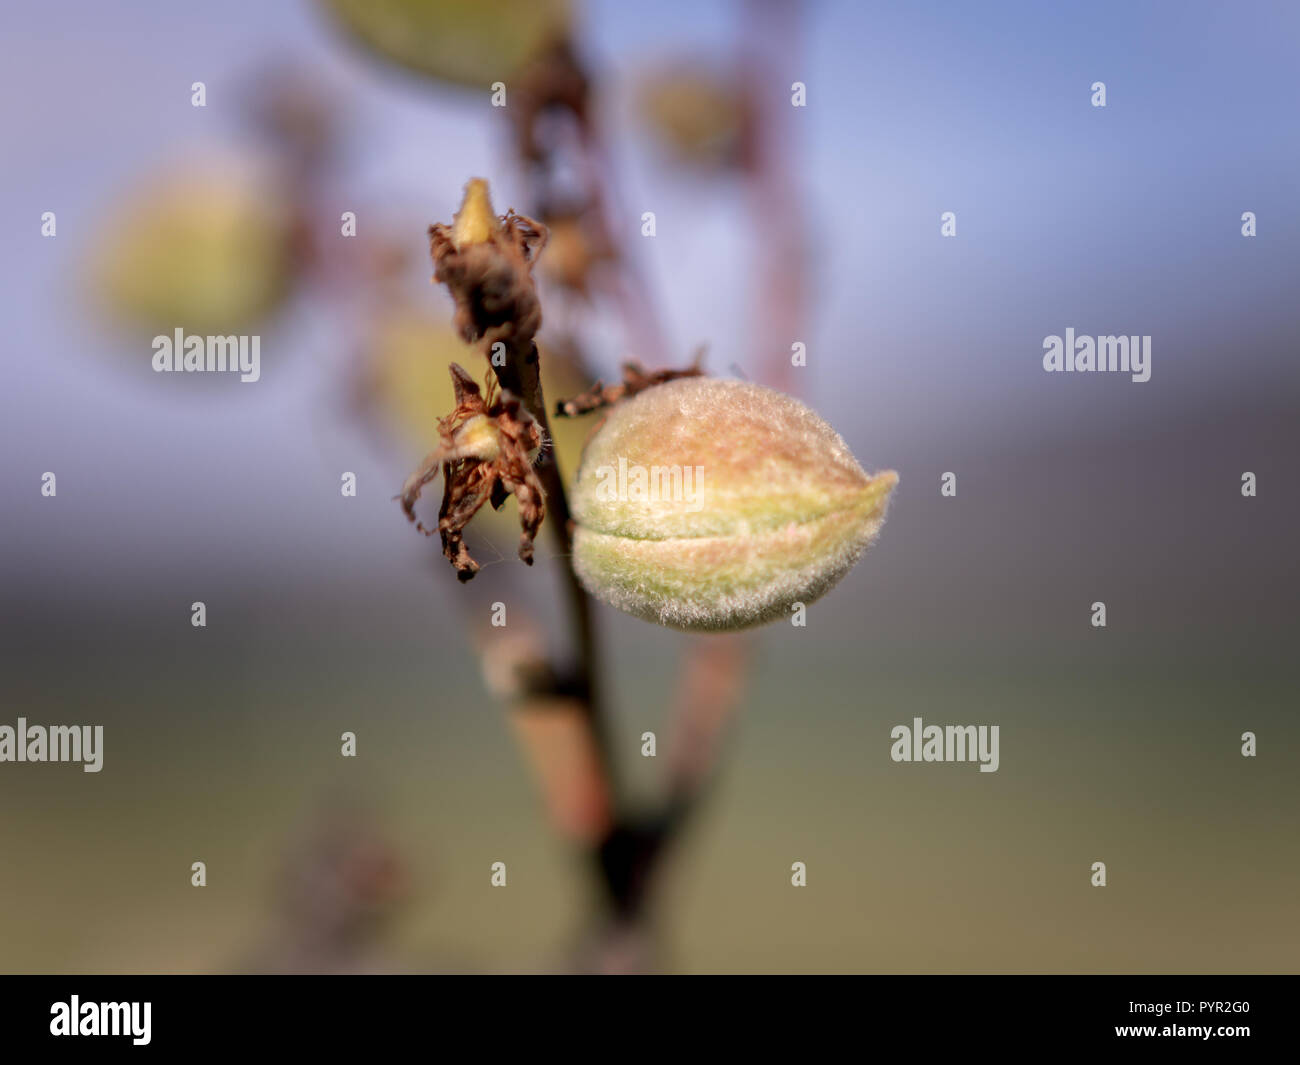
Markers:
point(711, 683)
point(771, 37)
point(554, 728)
point(570, 174)
point(708, 692)
point(713, 668)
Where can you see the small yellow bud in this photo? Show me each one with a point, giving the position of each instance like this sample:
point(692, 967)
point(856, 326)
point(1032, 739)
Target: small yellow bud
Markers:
point(706, 504)
point(475, 222)
point(477, 438)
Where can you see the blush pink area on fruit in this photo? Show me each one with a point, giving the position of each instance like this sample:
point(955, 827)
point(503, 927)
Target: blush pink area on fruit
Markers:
point(746, 503)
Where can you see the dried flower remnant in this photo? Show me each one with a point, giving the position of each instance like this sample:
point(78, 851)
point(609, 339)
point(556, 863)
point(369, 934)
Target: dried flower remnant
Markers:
point(485, 455)
point(487, 445)
point(487, 263)
point(402, 383)
point(777, 512)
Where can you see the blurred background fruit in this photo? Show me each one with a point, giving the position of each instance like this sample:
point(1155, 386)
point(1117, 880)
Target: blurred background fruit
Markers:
point(698, 116)
point(465, 42)
point(205, 247)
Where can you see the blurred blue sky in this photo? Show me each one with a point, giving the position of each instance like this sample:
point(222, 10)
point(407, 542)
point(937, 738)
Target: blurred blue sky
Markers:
point(1123, 219)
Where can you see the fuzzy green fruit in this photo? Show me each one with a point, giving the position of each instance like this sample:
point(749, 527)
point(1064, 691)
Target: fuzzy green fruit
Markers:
point(714, 505)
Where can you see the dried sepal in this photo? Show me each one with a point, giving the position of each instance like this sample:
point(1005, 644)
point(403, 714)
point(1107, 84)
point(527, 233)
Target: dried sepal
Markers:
point(636, 378)
point(485, 455)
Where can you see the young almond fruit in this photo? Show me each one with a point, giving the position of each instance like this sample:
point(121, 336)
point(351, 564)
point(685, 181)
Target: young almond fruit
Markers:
point(714, 505)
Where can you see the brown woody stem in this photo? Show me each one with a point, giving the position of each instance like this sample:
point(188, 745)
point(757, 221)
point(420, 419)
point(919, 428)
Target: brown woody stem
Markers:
point(487, 264)
point(521, 374)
